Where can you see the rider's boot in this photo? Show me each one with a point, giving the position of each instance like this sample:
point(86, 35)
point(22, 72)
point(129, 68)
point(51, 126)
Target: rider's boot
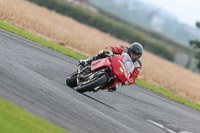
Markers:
point(112, 89)
point(88, 60)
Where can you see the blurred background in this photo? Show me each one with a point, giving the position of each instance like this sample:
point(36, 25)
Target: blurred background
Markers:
point(165, 28)
point(173, 22)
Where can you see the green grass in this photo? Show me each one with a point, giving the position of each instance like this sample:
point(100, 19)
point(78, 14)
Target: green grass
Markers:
point(168, 94)
point(25, 34)
point(14, 119)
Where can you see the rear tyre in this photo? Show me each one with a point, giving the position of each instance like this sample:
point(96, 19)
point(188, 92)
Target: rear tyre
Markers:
point(91, 85)
point(71, 81)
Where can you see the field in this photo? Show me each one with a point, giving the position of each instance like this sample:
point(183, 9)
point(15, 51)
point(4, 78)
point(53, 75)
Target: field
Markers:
point(84, 39)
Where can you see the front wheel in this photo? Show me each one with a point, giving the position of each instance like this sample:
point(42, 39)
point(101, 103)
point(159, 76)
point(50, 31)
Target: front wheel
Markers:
point(71, 80)
point(93, 84)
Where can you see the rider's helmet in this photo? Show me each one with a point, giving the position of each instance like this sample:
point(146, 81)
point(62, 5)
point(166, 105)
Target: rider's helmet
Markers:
point(136, 49)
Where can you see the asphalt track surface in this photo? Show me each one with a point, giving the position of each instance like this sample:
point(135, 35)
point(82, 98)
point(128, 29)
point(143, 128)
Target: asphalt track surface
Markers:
point(33, 77)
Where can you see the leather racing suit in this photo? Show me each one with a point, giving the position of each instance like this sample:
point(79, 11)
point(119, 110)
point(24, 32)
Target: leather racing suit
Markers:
point(137, 64)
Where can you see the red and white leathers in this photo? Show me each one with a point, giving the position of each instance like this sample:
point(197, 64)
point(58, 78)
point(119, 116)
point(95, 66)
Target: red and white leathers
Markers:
point(137, 64)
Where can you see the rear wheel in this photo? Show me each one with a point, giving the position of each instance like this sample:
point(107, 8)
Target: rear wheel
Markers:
point(71, 80)
point(93, 84)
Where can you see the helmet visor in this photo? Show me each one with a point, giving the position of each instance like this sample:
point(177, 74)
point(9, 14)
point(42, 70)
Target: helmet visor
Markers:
point(134, 56)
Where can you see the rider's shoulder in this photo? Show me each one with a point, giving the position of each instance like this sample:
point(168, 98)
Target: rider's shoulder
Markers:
point(138, 63)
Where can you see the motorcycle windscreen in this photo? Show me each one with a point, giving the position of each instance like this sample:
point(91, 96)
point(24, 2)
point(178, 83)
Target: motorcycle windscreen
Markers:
point(119, 68)
point(128, 62)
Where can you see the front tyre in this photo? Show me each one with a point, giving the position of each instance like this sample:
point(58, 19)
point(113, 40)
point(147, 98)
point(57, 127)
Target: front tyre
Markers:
point(71, 80)
point(93, 84)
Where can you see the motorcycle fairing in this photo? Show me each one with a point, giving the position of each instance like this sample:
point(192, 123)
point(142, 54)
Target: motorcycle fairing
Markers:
point(119, 68)
point(97, 64)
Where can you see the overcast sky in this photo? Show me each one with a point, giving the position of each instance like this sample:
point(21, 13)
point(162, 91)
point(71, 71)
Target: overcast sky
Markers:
point(187, 11)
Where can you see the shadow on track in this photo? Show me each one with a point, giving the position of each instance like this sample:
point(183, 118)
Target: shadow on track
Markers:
point(101, 102)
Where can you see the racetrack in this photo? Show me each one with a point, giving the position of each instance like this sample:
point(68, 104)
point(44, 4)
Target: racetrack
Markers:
point(33, 77)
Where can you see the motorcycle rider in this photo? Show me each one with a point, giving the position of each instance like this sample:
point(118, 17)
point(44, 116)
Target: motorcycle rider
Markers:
point(135, 51)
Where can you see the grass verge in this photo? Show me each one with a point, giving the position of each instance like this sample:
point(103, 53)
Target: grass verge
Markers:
point(168, 94)
point(25, 34)
point(76, 55)
point(14, 119)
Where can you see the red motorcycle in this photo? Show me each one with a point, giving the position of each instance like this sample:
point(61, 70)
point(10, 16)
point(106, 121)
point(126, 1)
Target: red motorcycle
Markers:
point(101, 74)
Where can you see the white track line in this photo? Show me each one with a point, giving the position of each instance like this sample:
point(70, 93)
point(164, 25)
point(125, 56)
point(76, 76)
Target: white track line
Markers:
point(165, 128)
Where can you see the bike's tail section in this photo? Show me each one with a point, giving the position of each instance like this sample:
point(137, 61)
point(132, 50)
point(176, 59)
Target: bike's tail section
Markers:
point(97, 64)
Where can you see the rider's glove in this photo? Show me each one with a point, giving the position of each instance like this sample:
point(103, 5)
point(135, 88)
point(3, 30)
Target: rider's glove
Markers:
point(108, 52)
point(101, 52)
